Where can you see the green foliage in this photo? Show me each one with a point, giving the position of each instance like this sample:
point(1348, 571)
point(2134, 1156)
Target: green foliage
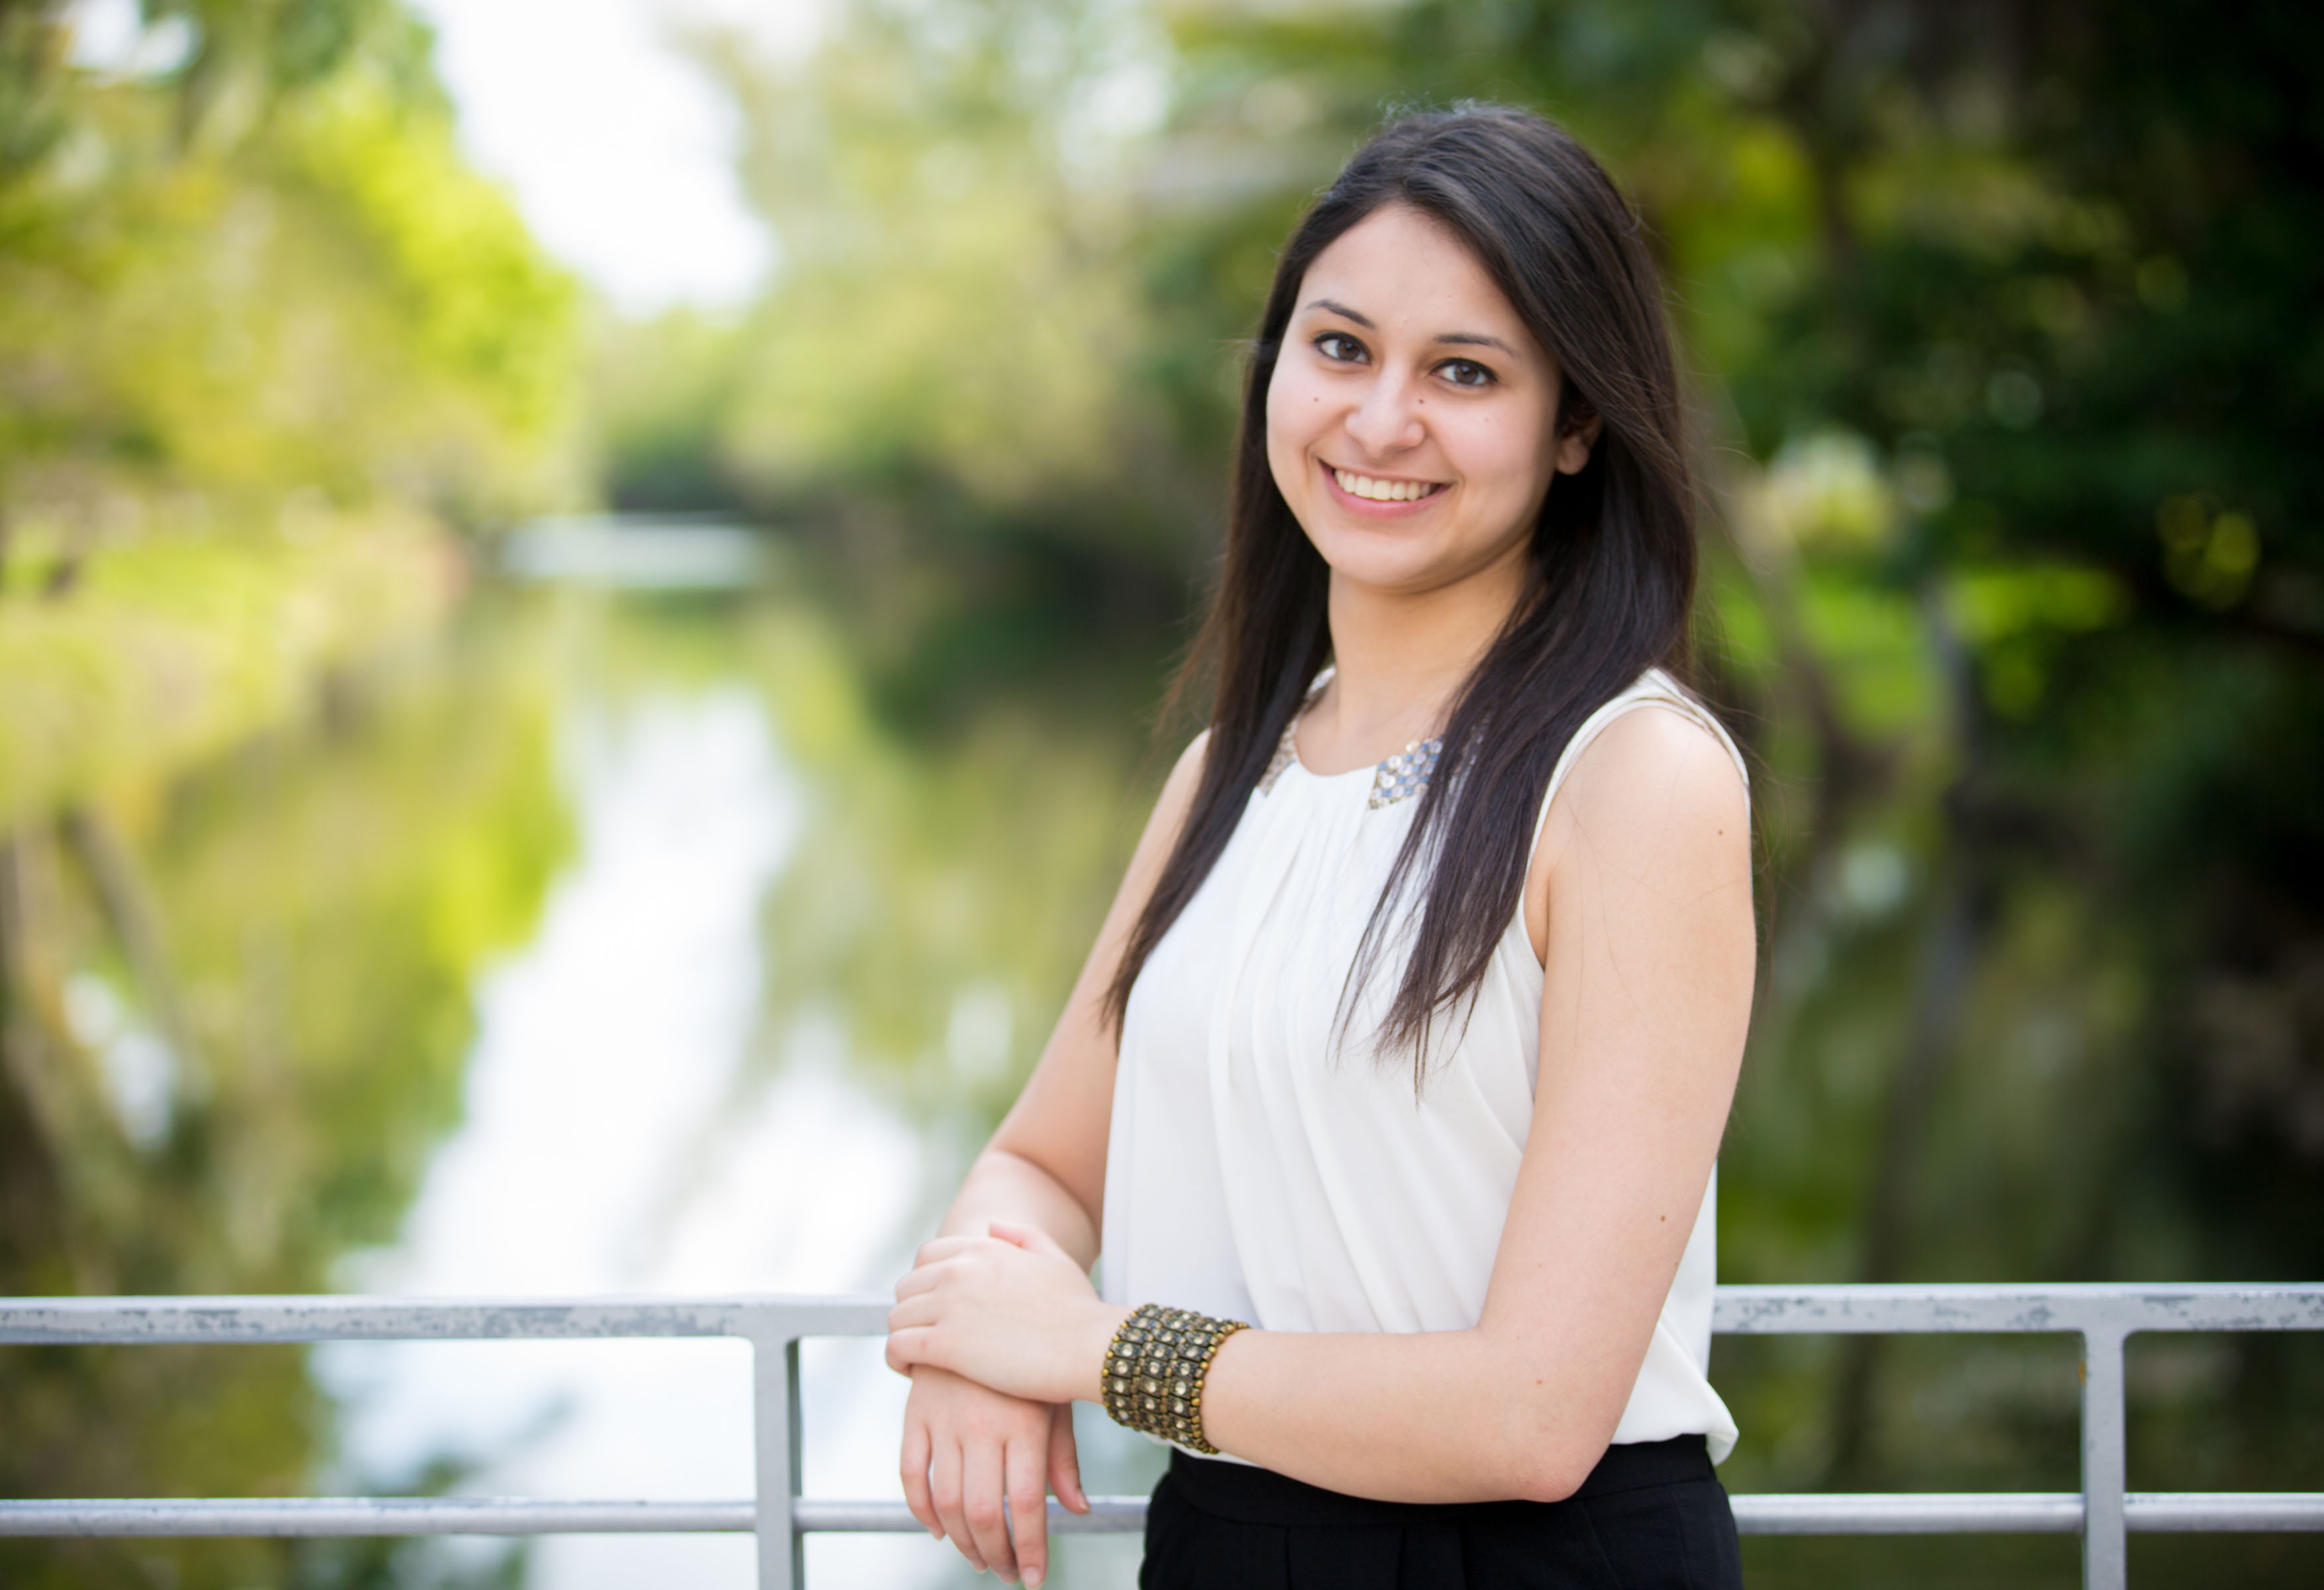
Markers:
point(250, 283)
point(175, 647)
point(233, 298)
point(939, 305)
point(959, 322)
point(480, 316)
point(659, 390)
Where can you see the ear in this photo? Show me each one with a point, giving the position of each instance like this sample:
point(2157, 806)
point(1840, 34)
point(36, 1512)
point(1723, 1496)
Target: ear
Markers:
point(1578, 431)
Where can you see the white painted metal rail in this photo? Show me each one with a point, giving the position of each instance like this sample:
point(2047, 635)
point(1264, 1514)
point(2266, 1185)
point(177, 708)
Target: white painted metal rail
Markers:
point(2104, 1316)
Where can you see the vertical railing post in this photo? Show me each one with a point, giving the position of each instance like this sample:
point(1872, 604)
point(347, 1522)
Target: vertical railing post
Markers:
point(2106, 1555)
point(775, 1439)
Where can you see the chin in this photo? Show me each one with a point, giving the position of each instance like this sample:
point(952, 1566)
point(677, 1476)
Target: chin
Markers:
point(1382, 558)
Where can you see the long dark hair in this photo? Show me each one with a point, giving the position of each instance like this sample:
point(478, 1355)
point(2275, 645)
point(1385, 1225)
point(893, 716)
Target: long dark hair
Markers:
point(1610, 583)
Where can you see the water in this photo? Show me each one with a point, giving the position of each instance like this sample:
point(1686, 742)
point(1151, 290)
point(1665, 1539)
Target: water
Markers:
point(631, 1123)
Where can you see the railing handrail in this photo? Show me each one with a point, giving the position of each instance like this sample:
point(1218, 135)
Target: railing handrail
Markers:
point(1888, 1309)
point(221, 1320)
point(2104, 1315)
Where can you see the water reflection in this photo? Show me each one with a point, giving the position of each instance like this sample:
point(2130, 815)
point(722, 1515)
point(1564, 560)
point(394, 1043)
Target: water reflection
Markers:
point(638, 1117)
point(617, 1140)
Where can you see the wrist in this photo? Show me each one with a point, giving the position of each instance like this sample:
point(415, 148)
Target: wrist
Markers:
point(1095, 1339)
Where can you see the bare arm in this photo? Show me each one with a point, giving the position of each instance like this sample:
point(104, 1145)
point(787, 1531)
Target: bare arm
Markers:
point(1644, 876)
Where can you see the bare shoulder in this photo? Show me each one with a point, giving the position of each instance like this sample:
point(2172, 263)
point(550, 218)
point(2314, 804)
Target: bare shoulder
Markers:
point(1172, 806)
point(1655, 789)
point(1187, 771)
point(1186, 778)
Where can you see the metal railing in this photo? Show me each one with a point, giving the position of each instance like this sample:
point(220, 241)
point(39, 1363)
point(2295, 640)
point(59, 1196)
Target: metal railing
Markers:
point(2104, 1316)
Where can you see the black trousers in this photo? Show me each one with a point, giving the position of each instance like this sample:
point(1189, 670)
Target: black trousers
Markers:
point(1651, 1516)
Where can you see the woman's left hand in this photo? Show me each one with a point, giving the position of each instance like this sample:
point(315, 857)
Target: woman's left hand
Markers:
point(1011, 1310)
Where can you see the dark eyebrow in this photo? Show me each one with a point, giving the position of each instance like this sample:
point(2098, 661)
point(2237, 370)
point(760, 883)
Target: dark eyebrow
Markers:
point(1343, 312)
point(1461, 338)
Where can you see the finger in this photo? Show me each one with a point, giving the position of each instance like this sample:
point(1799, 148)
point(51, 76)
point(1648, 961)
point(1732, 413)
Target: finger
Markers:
point(937, 1250)
point(1066, 1459)
point(944, 1481)
point(907, 1350)
point(918, 1446)
point(921, 1311)
point(919, 1281)
point(914, 1346)
point(1029, 1505)
point(981, 1478)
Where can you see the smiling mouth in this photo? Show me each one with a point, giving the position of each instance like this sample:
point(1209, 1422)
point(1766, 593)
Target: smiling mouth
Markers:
point(1373, 489)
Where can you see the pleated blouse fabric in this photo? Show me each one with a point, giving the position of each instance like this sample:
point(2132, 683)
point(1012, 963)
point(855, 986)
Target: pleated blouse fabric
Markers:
point(1263, 1165)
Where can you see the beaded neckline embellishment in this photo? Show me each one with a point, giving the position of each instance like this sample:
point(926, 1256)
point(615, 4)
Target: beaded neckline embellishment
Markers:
point(1405, 774)
point(1399, 777)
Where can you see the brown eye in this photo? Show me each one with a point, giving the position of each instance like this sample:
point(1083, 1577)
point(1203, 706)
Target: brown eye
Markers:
point(1466, 373)
point(1340, 347)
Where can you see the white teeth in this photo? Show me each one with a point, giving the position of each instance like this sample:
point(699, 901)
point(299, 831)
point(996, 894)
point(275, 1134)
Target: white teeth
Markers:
point(1381, 491)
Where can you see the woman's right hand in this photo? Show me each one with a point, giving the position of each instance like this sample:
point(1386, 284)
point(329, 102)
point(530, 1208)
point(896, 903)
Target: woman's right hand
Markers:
point(966, 1449)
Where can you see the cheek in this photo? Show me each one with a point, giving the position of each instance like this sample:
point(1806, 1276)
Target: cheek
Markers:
point(1513, 461)
point(1292, 417)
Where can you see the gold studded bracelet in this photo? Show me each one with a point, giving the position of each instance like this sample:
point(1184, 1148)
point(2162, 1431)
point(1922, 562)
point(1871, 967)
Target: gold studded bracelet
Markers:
point(1154, 1371)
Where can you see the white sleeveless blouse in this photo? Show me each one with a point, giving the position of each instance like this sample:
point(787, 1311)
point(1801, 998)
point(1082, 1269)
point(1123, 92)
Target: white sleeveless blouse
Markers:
point(1252, 1172)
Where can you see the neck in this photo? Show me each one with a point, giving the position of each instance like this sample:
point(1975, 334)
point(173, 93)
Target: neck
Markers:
point(1401, 656)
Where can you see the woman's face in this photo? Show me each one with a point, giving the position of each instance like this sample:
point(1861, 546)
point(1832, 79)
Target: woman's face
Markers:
point(1411, 422)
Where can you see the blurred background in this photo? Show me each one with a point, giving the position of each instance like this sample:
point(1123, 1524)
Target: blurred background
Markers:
point(583, 589)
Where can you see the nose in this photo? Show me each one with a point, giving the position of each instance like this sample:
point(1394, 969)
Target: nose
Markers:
point(1387, 420)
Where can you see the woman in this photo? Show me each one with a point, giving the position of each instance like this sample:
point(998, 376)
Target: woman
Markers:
point(1411, 1035)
